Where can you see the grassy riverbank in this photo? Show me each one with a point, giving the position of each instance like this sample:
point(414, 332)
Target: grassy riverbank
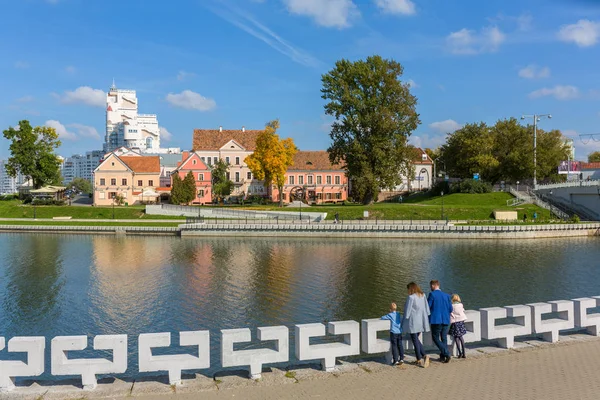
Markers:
point(88, 223)
point(477, 207)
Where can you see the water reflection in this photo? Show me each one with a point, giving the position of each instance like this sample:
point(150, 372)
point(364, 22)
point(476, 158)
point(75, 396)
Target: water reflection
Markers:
point(77, 284)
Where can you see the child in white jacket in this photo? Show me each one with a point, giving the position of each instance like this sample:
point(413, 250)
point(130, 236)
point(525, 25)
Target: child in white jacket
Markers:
point(457, 325)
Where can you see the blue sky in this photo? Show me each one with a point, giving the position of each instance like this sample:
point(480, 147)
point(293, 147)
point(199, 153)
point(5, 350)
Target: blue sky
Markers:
point(207, 63)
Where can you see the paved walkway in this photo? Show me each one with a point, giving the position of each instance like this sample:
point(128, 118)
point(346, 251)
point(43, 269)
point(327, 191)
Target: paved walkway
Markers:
point(563, 371)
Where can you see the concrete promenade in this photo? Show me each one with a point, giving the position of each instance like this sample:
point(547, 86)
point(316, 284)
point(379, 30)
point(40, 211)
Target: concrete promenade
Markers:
point(568, 370)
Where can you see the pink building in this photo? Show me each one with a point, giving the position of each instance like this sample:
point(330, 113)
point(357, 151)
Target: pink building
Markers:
point(316, 180)
point(192, 162)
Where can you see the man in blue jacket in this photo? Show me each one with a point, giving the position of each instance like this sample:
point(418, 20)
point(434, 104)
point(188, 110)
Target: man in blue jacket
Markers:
point(440, 306)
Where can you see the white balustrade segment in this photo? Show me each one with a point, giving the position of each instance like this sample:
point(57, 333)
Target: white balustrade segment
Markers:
point(9, 370)
point(550, 328)
point(327, 352)
point(591, 322)
point(255, 358)
point(174, 363)
point(370, 343)
point(505, 334)
point(88, 368)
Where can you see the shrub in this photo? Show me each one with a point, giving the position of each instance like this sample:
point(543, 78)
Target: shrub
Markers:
point(47, 202)
point(472, 187)
point(575, 219)
point(8, 197)
point(439, 187)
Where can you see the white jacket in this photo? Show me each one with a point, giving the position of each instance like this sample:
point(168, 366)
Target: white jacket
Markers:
point(458, 313)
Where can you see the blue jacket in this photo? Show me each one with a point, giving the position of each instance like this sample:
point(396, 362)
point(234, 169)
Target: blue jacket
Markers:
point(396, 321)
point(440, 306)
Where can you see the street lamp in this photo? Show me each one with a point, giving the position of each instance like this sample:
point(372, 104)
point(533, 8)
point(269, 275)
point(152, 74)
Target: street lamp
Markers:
point(442, 205)
point(517, 186)
point(536, 118)
point(113, 199)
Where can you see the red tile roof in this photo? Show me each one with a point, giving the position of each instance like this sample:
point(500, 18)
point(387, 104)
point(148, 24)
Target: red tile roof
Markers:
point(418, 156)
point(313, 161)
point(213, 139)
point(150, 164)
point(593, 165)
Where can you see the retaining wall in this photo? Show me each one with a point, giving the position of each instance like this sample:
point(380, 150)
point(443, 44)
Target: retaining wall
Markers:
point(529, 319)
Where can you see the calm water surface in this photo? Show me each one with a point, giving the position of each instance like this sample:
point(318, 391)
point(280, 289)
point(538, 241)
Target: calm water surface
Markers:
point(77, 284)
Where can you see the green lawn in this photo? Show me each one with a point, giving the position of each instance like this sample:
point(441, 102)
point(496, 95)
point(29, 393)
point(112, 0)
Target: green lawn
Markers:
point(456, 207)
point(90, 223)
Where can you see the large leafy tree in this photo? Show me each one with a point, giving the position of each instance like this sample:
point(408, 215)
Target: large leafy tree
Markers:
point(32, 153)
point(221, 185)
point(272, 157)
point(551, 151)
point(374, 113)
point(594, 157)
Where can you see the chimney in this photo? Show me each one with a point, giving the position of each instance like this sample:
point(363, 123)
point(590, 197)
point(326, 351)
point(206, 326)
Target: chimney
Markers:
point(185, 156)
point(243, 129)
point(220, 129)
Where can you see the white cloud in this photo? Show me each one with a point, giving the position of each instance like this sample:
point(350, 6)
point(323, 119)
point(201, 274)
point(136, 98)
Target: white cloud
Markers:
point(412, 84)
point(425, 141)
point(21, 65)
point(584, 33)
point(165, 134)
point(330, 14)
point(85, 131)
point(183, 75)
point(532, 71)
point(191, 101)
point(85, 95)
point(61, 130)
point(25, 99)
point(405, 7)
point(70, 69)
point(558, 92)
point(467, 41)
point(447, 126)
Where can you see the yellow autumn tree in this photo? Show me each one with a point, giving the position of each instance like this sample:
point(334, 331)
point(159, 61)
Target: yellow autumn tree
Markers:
point(272, 157)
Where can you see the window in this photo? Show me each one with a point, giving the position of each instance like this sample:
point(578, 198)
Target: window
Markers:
point(291, 179)
point(237, 161)
point(102, 195)
point(124, 182)
point(215, 160)
point(200, 177)
point(310, 179)
point(327, 196)
point(112, 164)
point(319, 181)
point(102, 182)
point(201, 193)
point(113, 181)
point(328, 179)
point(337, 180)
point(209, 161)
point(338, 196)
point(203, 160)
point(150, 182)
point(194, 162)
point(283, 196)
point(237, 176)
point(249, 175)
point(140, 183)
point(112, 195)
point(301, 180)
point(227, 160)
point(228, 176)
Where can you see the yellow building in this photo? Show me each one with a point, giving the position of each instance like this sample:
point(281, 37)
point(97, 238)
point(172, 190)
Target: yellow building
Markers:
point(136, 178)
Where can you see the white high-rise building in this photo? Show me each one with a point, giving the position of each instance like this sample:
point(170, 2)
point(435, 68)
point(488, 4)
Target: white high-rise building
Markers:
point(125, 127)
point(81, 166)
point(8, 184)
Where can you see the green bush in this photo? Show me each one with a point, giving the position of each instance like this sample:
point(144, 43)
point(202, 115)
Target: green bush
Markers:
point(8, 197)
point(472, 187)
point(575, 219)
point(439, 187)
point(47, 202)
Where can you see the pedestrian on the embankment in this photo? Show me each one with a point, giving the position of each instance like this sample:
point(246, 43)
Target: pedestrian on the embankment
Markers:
point(416, 320)
point(457, 325)
point(440, 306)
point(395, 319)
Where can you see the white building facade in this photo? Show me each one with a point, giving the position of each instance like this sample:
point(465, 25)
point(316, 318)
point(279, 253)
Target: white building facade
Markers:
point(125, 127)
point(81, 166)
point(8, 184)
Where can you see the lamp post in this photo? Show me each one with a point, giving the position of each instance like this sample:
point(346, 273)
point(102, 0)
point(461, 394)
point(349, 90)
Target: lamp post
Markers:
point(442, 205)
point(517, 186)
point(536, 119)
point(33, 202)
point(113, 199)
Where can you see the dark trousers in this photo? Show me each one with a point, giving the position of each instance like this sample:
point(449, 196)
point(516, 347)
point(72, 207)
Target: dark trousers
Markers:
point(397, 348)
point(439, 334)
point(419, 352)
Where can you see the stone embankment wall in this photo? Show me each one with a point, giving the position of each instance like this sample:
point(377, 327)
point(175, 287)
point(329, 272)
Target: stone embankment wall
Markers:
point(529, 319)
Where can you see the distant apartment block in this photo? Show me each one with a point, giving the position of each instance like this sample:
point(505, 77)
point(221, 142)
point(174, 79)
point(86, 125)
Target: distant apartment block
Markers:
point(8, 184)
point(81, 166)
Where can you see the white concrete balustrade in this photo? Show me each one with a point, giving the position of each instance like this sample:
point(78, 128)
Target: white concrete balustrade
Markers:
point(255, 358)
point(175, 363)
point(481, 324)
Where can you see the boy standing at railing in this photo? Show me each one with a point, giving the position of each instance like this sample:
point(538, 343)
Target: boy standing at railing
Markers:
point(395, 319)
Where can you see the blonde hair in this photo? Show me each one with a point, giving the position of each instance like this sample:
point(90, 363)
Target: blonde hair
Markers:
point(456, 298)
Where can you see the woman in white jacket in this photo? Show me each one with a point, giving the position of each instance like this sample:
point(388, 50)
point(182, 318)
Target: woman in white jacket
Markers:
point(457, 325)
point(416, 320)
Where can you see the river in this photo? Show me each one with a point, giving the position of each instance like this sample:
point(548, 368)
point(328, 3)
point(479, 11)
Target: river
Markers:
point(87, 285)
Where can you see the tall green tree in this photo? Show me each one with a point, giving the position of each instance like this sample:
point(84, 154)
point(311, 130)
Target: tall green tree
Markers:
point(594, 157)
point(177, 189)
point(221, 185)
point(513, 148)
point(374, 113)
point(188, 188)
point(272, 157)
point(551, 151)
point(83, 185)
point(33, 153)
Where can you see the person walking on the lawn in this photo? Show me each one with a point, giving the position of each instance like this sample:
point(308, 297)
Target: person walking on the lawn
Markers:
point(440, 307)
